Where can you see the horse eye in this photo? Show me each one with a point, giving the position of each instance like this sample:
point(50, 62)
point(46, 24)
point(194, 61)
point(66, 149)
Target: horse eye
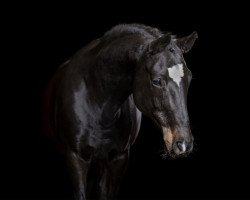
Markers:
point(171, 50)
point(156, 82)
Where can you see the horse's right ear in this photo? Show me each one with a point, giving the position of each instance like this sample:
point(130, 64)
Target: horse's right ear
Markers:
point(186, 43)
point(159, 44)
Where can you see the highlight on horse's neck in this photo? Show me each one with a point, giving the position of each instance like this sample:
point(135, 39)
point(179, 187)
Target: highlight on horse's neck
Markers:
point(115, 76)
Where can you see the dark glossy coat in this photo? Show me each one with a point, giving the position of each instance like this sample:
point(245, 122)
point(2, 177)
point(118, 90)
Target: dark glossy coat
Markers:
point(89, 108)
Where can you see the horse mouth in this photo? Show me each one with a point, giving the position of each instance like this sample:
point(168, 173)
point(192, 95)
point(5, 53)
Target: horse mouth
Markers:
point(170, 153)
point(174, 147)
point(168, 137)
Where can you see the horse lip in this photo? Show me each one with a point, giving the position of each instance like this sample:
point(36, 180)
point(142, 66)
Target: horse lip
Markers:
point(168, 136)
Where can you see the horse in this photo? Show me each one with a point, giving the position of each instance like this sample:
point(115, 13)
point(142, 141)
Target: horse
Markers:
point(94, 103)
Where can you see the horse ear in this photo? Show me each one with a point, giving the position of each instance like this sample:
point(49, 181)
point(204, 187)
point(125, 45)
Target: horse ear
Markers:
point(186, 43)
point(159, 44)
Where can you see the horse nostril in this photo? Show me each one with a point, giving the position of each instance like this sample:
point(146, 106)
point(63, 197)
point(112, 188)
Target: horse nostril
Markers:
point(181, 146)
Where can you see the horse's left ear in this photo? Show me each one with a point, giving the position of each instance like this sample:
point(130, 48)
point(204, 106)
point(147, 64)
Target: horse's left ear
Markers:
point(186, 43)
point(159, 44)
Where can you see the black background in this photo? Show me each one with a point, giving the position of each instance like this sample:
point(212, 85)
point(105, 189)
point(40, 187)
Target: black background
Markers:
point(39, 37)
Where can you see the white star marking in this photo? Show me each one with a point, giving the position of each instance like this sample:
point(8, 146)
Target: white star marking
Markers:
point(176, 73)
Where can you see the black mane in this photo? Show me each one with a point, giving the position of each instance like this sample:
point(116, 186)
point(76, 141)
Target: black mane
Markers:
point(126, 29)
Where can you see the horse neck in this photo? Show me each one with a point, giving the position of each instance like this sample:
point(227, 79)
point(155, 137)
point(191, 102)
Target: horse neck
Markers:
point(111, 78)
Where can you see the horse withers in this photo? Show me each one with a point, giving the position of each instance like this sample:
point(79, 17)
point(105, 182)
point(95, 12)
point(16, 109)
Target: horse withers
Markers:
point(93, 104)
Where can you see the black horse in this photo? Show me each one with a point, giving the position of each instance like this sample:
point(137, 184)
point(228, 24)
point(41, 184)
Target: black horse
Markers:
point(91, 105)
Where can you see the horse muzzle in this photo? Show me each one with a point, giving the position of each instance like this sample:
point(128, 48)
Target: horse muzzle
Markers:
point(178, 142)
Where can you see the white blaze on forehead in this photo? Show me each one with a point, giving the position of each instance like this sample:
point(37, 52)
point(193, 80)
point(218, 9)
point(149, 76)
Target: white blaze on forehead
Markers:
point(183, 147)
point(176, 73)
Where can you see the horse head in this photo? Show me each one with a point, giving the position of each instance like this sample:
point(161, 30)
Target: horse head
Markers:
point(160, 90)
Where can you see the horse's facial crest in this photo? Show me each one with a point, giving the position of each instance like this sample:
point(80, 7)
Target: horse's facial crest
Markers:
point(160, 90)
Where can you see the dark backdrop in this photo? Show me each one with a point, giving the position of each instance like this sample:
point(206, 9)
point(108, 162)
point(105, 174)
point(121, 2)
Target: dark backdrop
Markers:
point(40, 37)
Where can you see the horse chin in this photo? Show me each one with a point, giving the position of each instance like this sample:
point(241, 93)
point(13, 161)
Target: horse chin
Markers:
point(170, 153)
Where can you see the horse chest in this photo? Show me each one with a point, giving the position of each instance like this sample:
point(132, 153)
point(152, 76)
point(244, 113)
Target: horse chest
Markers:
point(119, 136)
